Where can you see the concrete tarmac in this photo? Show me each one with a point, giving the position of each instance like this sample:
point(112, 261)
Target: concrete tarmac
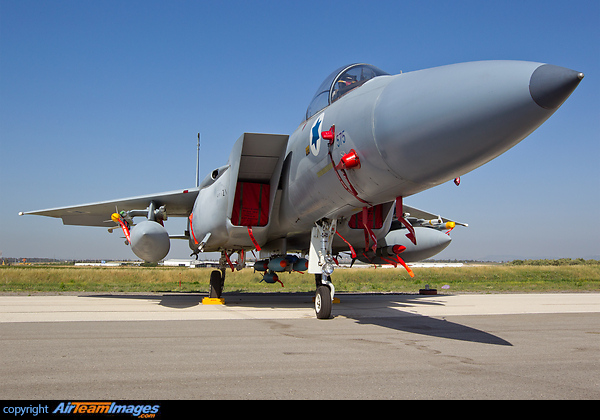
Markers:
point(271, 346)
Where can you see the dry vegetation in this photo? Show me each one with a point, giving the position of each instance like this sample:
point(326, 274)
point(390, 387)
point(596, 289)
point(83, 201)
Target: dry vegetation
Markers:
point(479, 279)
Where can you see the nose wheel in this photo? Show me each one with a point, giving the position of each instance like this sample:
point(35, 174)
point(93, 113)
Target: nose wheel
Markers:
point(323, 303)
point(323, 297)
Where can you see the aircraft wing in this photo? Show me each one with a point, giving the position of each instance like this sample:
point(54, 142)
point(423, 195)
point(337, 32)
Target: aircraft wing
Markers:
point(421, 214)
point(178, 203)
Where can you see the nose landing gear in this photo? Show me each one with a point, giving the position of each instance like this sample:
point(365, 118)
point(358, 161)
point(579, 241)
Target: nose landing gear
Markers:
point(320, 263)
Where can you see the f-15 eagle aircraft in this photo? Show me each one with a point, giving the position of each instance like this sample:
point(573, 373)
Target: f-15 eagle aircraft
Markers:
point(338, 183)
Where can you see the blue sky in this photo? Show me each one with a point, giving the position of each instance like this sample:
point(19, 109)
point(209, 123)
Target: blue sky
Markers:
point(103, 99)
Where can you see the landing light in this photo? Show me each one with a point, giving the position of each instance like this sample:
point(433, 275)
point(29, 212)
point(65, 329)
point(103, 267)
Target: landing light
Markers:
point(328, 268)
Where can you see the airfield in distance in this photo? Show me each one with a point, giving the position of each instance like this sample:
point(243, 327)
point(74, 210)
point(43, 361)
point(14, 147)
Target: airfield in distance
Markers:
point(192, 263)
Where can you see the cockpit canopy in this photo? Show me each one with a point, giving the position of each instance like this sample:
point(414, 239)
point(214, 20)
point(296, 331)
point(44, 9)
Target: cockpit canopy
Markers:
point(340, 82)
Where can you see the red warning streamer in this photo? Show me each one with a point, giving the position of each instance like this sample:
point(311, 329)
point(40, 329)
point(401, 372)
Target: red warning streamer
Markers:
point(347, 243)
point(368, 231)
point(192, 229)
point(252, 239)
point(400, 215)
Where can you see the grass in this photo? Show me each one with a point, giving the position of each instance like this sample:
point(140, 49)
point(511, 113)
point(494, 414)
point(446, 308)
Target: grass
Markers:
point(471, 279)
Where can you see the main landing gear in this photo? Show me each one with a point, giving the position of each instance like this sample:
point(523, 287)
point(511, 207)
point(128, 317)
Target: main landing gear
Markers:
point(217, 277)
point(217, 281)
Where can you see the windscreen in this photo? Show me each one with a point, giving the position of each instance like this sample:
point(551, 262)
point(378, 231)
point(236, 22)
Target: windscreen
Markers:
point(340, 82)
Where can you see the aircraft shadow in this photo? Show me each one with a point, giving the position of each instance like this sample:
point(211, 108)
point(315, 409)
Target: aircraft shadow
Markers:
point(433, 327)
point(390, 315)
point(383, 310)
point(175, 300)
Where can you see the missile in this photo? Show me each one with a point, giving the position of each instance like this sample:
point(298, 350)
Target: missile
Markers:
point(437, 224)
point(116, 217)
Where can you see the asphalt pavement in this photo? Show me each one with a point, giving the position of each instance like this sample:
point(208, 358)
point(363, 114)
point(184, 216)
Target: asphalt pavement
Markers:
point(271, 346)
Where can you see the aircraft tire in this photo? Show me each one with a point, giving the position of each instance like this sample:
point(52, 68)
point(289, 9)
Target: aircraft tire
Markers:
point(323, 302)
point(216, 284)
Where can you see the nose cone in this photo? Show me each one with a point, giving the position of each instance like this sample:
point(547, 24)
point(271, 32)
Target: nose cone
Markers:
point(550, 85)
point(433, 125)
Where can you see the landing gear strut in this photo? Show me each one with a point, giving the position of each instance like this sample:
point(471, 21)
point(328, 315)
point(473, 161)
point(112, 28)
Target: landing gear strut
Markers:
point(217, 277)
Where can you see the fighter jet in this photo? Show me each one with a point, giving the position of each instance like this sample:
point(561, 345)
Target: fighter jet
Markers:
point(337, 184)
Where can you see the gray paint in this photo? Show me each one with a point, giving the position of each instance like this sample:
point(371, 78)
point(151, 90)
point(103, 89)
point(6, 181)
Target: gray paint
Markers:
point(411, 131)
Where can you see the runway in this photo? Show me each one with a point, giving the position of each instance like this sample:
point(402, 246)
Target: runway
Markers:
point(270, 346)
